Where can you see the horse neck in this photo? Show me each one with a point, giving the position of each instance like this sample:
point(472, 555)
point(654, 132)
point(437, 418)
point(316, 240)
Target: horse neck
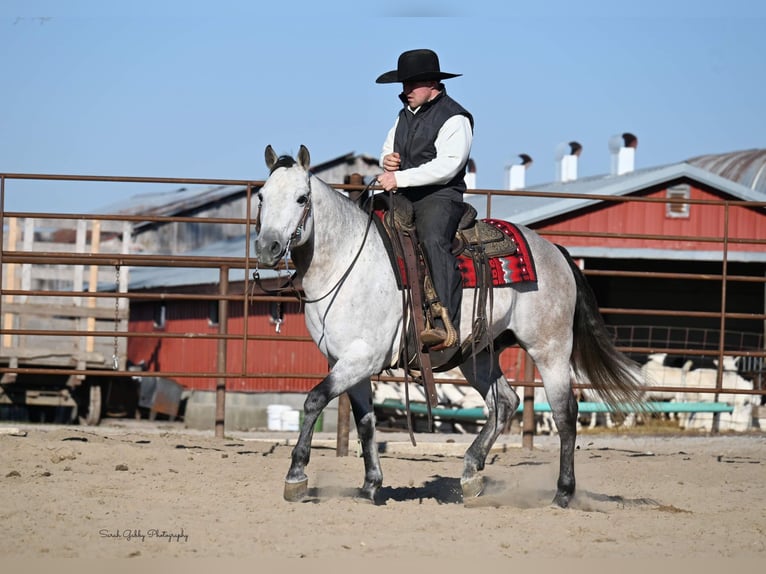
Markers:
point(338, 226)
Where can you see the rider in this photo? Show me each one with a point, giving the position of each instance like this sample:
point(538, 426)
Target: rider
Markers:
point(424, 157)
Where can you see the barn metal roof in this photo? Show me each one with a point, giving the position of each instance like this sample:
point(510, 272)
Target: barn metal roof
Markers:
point(152, 277)
point(747, 167)
point(529, 210)
point(741, 175)
point(188, 198)
point(667, 254)
point(174, 202)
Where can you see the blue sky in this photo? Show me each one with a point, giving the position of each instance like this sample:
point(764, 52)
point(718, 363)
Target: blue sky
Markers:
point(198, 89)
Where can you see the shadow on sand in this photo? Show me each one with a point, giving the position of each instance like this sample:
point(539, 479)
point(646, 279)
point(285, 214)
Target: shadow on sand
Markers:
point(498, 494)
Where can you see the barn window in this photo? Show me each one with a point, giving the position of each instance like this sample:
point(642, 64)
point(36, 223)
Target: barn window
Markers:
point(213, 317)
point(160, 314)
point(678, 208)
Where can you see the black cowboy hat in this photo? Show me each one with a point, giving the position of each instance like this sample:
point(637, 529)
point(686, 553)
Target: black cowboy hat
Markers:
point(415, 65)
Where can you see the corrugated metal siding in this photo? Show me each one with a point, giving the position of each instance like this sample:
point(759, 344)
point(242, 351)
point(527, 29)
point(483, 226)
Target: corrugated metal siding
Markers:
point(650, 218)
point(191, 355)
point(747, 167)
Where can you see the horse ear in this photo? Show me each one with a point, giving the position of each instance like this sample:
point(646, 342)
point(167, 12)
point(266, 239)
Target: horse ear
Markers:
point(304, 159)
point(271, 157)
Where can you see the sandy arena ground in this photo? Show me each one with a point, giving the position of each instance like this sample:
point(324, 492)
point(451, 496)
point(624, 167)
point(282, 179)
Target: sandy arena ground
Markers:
point(139, 489)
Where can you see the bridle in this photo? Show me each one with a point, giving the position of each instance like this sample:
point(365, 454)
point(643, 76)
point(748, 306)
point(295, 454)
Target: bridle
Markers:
point(300, 226)
point(297, 234)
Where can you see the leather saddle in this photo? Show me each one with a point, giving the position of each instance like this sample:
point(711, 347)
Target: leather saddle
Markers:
point(473, 236)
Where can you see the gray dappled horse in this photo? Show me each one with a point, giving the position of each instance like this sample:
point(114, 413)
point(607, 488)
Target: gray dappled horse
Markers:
point(353, 311)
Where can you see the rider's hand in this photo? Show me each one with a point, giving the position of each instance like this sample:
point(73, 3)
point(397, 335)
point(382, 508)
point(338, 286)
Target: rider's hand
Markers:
point(391, 161)
point(387, 181)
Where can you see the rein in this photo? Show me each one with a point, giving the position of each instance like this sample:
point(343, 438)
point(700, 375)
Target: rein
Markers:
point(356, 257)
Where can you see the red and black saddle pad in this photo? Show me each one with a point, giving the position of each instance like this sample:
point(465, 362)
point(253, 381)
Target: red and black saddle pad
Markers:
point(519, 267)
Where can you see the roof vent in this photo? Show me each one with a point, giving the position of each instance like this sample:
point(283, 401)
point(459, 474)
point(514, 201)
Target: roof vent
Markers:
point(623, 151)
point(470, 175)
point(566, 161)
point(516, 174)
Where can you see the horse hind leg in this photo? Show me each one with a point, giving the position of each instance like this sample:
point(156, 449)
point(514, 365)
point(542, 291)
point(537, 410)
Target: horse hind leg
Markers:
point(502, 402)
point(558, 388)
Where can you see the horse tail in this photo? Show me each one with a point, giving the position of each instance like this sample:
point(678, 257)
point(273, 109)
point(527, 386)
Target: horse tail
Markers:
point(595, 359)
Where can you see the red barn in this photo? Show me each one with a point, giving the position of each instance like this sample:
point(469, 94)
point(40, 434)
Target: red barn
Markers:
point(664, 233)
point(277, 365)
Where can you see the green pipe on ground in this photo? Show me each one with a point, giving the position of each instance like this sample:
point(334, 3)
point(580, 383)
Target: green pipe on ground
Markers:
point(478, 414)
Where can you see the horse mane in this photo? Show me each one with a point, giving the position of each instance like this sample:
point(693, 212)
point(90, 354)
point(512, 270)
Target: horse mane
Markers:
point(282, 161)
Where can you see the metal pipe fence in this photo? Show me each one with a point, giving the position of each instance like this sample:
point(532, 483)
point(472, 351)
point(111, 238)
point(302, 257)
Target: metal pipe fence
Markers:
point(95, 305)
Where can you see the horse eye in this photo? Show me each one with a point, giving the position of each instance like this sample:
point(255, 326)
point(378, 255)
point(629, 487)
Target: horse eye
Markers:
point(303, 199)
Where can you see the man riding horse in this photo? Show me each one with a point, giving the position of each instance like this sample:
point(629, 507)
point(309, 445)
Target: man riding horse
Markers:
point(424, 157)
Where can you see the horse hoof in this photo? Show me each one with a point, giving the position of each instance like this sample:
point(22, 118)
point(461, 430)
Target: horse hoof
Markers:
point(472, 487)
point(364, 498)
point(561, 500)
point(368, 496)
point(296, 491)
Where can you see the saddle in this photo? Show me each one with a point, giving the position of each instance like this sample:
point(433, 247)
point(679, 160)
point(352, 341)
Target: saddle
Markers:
point(475, 240)
point(474, 237)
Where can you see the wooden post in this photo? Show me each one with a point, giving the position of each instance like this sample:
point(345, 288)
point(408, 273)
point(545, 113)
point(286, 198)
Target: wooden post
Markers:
point(95, 248)
point(528, 416)
point(344, 415)
point(716, 424)
point(11, 281)
point(220, 387)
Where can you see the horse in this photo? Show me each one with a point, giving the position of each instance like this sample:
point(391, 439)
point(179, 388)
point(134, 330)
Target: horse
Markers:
point(353, 312)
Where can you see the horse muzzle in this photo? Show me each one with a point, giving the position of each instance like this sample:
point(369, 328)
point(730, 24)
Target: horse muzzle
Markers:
point(269, 251)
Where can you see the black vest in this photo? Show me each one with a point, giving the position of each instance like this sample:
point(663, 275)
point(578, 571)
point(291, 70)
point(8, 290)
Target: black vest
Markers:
point(415, 139)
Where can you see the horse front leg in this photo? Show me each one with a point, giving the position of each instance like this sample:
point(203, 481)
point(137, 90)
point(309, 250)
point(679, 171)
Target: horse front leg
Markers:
point(360, 397)
point(350, 373)
point(296, 482)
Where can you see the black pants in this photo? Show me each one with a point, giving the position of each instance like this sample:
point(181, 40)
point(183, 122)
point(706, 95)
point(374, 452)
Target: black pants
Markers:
point(437, 216)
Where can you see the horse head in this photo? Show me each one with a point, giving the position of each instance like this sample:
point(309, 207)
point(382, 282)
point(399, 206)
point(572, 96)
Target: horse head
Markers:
point(284, 210)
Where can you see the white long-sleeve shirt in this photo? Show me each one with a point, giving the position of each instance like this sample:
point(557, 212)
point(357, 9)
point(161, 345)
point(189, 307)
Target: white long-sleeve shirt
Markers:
point(453, 147)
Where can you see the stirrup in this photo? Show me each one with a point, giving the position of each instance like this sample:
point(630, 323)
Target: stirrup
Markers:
point(438, 338)
point(452, 336)
point(433, 337)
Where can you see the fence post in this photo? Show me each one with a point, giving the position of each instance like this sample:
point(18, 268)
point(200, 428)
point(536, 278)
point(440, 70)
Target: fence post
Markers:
point(715, 426)
point(528, 415)
point(223, 319)
point(344, 413)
